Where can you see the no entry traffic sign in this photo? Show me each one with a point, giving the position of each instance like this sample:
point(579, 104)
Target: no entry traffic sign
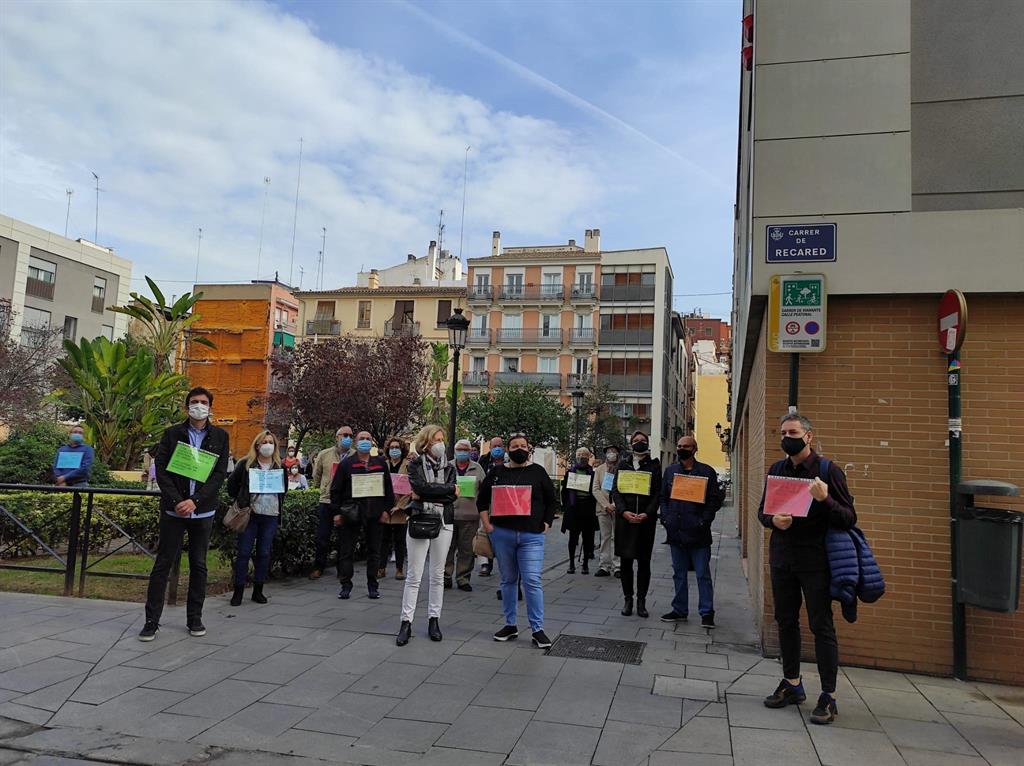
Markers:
point(952, 321)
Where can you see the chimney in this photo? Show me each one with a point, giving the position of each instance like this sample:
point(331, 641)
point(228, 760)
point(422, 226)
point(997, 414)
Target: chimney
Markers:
point(592, 241)
point(572, 243)
point(496, 243)
point(373, 281)
point(410, 257)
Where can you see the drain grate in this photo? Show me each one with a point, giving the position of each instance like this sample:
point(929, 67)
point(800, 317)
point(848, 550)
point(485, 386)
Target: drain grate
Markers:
point(604, 649)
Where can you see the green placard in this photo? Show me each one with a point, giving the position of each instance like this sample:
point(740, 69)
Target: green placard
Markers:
point(192, 462)
point(467, 486)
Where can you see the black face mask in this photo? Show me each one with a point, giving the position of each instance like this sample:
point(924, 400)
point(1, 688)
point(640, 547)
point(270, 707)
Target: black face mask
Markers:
point(519, 456)
point(793, 445)
point(641, 448)
point(685, 454)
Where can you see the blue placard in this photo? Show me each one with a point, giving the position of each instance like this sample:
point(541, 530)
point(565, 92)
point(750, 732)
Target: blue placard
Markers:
point(800, 242)
point(71, 460)
point(608, 482)
point(266, 482)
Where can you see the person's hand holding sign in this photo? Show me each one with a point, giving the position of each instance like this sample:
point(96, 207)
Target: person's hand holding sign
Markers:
point(819, 490)
point(185, 508)
point(782, 521)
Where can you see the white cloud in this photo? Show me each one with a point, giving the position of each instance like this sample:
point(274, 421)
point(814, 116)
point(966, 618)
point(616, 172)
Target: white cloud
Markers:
point(182, 108)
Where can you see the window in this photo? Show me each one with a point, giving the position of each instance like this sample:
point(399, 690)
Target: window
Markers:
point(483, 280)
point(365, 308)
point(404, 311)
point(552, 285)
point(107, 331)
point(547, 364)
point(512, 321)
point(99, 294)
point(585, 282)
point(444, 311)
point(34, 326)
point(510, 364)
point(325, 309)
point(549, 325)
point(707, 332)
point(479, 364)
point(582, 365)
point(277, 318)
point(71, 328)
point(514, 285)
point(41, 270)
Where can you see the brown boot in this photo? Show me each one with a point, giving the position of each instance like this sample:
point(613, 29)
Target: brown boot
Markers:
point(399, 574)
point(316, 574)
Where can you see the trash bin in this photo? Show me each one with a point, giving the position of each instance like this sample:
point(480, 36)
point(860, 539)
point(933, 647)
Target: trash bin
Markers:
point(989, 549)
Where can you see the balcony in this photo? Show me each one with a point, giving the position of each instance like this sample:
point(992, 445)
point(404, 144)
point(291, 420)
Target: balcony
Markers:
point(579, 380)
point(391, 327)
point(537, 294)
point(582, 336)
point(38, 288)
point(518, 336)
point(97, 304)
point(546, 379)
point(583, 294)
point(288, 327)
point(626, 337)
point(481, 378)
point(631, 293)
point(323, 327)
point(640, 383)
point(481, 294)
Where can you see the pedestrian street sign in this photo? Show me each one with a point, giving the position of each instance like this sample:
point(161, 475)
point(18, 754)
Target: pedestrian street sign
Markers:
point(800, 242)
point(797, 305)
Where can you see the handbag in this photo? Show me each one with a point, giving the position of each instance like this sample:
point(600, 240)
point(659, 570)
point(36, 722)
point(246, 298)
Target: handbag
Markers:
point(350, 513)
point(237, 519)
point(424, 525)
point(482, 545)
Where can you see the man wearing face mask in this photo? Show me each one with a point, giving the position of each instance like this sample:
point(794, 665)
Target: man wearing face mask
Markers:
point(355, 511)
point(800, 569)
point(609, 562)
point(187, 505)
point(467, 520)
point(323, 472)
point(72, 464)
point(688, 530)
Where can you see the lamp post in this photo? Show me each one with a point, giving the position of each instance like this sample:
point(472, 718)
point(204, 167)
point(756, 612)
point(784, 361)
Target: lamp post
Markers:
point(457, 327)
point(578, 395)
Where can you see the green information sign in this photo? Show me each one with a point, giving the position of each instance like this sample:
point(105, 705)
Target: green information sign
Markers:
point(801, 292)
point(192, 462)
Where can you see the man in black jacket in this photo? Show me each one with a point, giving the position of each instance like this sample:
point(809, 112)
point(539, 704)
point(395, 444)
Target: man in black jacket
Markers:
point(799, 566)
point(187, 505)
point(687, 521)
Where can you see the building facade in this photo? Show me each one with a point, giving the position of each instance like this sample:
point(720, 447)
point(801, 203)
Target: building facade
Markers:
point(53, 282)
point(890, 132)
point(710, 372)
point(438, 268)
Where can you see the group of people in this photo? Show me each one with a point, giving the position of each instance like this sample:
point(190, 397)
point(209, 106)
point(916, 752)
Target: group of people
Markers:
point(428, 505)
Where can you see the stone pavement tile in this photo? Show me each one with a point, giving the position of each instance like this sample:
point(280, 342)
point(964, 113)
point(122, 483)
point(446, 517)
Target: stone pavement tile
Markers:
point(256, 758)
point(686, 688)
point(714, 710)
point(28, 759)
point(252, 649)
point(315, 688)
point(761, 747)
point(323, 642)
point(1000, 741)
point(467, 671)
point(741, 661)
point(279, 668)
point(841, 747)
point(668, 758)
point(350, 715)
point(312, 744)
point(853, 713)
point(438, 703)
point(24, 713)
point(492, 730)
point(482, 645)
point(1009, 698)
point(446, 756)
point(701, 735)
point(926, 735)
point(643, 675)
point(631, 704)
point(251, 727)
point(967, 700)
point(37, 675)
point(119, 714)
point(8, 694)
point(52, 697)
point(546, 744)
point(750, 713)
point(283, 631)
point(223, 699)
point(625, 744)
point(361, 656)
point(108, 658)
point(683, 657)
point(107, 684)
point(175, 727)
point(767, 667)
point(712, 674)
point(25, 654)
point(529, 661)
point(196, 676)
point(108, 746)
point(391, 679)
point(10, 728)
point(915, 757)
point(402, 735)
point(172, 656)
point(878, 679)
point(423, 651)
point(511, 691)
point(581, 694)
point(887, 703)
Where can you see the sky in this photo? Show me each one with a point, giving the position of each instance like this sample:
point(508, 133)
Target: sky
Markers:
point(577, 115)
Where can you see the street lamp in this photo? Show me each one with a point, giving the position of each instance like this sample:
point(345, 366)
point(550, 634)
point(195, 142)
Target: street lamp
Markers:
point(457, 327)
point(578, 395)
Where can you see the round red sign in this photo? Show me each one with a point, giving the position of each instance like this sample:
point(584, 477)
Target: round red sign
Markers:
point(792, 327)
point(952, 321)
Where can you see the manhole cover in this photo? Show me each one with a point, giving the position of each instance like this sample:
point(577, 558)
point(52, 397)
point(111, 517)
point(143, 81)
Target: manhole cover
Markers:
point(604, 649)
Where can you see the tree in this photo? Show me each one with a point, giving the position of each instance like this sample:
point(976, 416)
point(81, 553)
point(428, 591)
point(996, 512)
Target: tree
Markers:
point(165, 325)
point(370, 384)
point(125, 402)
point(433, 403)
point(600, 423)
point(26, 371)
point(511, 408)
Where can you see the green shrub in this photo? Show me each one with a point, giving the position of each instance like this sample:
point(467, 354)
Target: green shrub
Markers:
point(27, 456)
point(294, 547)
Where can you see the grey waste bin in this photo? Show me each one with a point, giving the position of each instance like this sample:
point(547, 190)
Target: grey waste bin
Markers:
point(989, 549)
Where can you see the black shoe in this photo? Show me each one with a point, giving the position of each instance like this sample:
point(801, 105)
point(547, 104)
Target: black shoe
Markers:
point(825, 711)
point(520, 594)
point(541, 640)
point(786, 694)
point(627, 608)
point(447, 584)
point(149, 630)
point(572, 568)
point(466, 587)
point(257, 593)
point(708, 620)
point(404, 633)
point(602, 573)
point(236, 597)
point(584, 569)
point(372, 591)
point(641, 607)
point(345, 592)
point(499, 594)
point(507, 633)
point(485, 570)
point(618, 575)
point(196, 628)
point(434, 629)
point(674, 616)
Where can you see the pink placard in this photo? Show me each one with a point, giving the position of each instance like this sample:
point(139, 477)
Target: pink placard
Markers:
point(787, 495)
point(510, 500)
point(400, 483)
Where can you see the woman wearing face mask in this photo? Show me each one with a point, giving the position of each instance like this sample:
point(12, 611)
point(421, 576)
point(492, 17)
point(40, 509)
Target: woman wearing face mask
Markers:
point(291, 459)
point(266, 511)
point(295, 478)
point(636, 521)
point(434, 492)
point(393, 531)
point(604, 479)
point(578, 511)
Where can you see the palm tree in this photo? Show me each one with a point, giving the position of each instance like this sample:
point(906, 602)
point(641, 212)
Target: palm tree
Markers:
point(434, 410)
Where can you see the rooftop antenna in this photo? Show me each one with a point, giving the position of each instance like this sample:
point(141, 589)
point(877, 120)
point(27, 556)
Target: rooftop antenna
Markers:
point(302, 272)
point(295, 218)
point(440, 233)
point(199, 246)
point(96, 233)
point(263, 218)
point(320, 266)
point(465, 176)
point(67, 218)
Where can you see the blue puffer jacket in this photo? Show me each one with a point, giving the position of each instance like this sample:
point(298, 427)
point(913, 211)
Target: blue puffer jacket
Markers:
point(855, 573)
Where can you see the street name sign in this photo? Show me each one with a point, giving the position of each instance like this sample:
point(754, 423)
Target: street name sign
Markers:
point(800, 242)
point(796, 313)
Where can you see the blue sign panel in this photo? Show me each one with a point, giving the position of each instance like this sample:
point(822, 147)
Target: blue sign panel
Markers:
point(800, 242)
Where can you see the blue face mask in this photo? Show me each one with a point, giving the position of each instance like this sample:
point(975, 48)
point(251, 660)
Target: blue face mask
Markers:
point(461, 455)
point(345, 442)
point(395, 452)
point(363, 445)
point(497, 452)
point(77, 438)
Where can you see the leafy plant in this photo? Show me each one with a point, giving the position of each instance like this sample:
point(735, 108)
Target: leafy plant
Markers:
point(433, 407)
point(510, 407)
point(27, 456)
point(294, 547)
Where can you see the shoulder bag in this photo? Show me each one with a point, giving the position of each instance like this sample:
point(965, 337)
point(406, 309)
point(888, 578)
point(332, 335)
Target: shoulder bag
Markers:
point(237, 519)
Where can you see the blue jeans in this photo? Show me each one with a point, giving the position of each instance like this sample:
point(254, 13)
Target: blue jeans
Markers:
point(700, 559)
point(520, 555)
point(259, 534)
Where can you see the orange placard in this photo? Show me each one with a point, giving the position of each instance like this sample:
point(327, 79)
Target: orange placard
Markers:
point(690, 489)
point(785, 494)
point(510, 500)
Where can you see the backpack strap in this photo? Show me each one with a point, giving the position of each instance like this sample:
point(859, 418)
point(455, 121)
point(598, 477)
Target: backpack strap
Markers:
point(823, 466)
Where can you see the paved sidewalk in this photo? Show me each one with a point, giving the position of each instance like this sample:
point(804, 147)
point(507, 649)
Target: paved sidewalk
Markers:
point(309, 679)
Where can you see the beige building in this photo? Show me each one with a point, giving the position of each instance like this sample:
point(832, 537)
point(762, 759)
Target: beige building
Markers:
point(710, 402)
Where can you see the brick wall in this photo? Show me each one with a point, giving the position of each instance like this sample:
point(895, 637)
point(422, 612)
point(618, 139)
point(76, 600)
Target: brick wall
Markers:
point(878, 401)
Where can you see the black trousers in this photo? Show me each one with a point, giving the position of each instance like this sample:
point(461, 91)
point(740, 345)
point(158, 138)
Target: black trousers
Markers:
point(588, 544)
point(168, 550)
point(788, 589)
point(643, 577)
point(392, 537)
point(324, 532)
point(348, 535)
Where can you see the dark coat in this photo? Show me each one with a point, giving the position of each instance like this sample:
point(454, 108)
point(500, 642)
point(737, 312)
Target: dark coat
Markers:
point(238, 487)
point(689, 524)
point(341, 486)
point(636, 541)
point(579, 509)
point(854, 571)
point(443, 494)
point(173, 487)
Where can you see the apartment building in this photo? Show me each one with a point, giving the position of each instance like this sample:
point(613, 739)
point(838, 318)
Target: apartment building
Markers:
point(710, 372)
point(55, 282)
point(438, 268)
point(891, 132)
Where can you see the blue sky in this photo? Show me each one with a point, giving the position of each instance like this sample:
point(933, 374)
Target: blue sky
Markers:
point(618, 116)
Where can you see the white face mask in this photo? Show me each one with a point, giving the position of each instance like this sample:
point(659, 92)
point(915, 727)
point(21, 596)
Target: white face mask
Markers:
point(266, 450)
point(199, 411)
point(437, 450)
